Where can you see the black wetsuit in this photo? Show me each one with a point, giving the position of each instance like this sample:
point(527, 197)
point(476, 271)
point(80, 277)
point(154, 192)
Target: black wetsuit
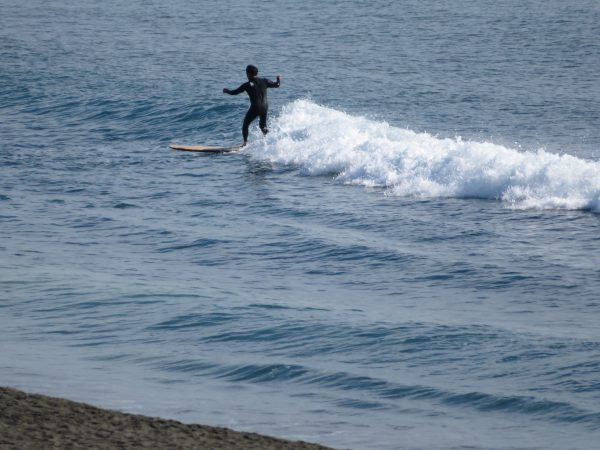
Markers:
point(257, 91)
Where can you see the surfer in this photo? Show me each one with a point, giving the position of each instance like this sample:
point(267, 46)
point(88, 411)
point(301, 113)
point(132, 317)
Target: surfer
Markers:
point(257, 91)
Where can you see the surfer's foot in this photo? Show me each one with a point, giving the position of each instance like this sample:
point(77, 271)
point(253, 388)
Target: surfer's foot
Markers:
point(244, 144)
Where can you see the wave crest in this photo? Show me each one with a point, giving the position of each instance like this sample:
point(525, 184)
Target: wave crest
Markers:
point(359, 151)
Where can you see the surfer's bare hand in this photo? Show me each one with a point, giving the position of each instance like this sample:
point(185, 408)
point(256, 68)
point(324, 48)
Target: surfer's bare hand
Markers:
point(225, 91)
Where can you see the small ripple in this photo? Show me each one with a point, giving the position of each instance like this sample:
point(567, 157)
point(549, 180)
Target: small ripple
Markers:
point(264, 373)
point(186, 366)
point(360, 404)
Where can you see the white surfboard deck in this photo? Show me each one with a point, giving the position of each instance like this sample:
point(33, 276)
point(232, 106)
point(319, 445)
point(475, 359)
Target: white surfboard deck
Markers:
point(204, 148)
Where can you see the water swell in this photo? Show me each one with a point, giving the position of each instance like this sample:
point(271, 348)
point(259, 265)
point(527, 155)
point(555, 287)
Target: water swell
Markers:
point(361, 392)
point(358, 151)
point(299, 353)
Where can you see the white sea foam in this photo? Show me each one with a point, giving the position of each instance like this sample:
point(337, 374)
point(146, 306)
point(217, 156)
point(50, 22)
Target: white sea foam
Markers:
point(356, 150)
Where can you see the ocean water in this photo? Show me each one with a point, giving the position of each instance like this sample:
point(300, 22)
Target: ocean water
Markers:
point(410, 259)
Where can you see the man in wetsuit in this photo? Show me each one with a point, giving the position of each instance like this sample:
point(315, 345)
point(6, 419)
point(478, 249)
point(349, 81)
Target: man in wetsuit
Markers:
point(257, 91)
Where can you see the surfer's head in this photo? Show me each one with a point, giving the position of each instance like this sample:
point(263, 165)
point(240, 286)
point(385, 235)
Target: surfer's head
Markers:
point(251, 71)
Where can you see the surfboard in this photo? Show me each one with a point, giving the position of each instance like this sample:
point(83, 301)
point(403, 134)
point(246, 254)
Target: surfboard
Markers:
point(204, 148)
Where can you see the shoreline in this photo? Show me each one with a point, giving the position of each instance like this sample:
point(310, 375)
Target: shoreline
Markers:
point(39, 421)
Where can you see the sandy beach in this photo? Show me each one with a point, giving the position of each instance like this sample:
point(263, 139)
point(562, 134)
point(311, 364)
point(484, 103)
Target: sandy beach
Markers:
point(32, 421)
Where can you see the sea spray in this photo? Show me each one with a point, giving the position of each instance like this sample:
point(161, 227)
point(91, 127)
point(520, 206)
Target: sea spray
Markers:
point(355, 150)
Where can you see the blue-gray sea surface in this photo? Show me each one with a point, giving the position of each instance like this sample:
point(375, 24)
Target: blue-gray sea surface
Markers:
point(409, 260)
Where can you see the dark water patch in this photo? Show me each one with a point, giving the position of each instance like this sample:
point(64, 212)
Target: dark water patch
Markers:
point(124, 205)
point(211, 203)
point(328, 272)
point(197, 244)
point(89, 222)
point(193, 174)
point(82, 244)
point(253, 307)
point(160, 195)
point(527, 355)
point(117, 357)
point(193, 321)
point(462, 235)
point(269, 306)
point(434, 277)
point(105, 341)
point(506, 280)
point(70, 331)
point(161, 298)
point(98, 305)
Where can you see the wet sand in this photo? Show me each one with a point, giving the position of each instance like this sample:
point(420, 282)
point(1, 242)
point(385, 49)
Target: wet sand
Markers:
point(31, 421)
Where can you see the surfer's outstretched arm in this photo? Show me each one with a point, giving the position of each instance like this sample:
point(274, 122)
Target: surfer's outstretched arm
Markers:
point(237, 91)
point(274, 84)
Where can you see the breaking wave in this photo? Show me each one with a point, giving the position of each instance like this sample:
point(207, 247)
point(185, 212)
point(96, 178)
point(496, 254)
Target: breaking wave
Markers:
point(360, 151)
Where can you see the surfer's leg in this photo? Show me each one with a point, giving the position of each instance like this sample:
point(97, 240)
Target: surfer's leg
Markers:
point(262, 122)
point(250, 116)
